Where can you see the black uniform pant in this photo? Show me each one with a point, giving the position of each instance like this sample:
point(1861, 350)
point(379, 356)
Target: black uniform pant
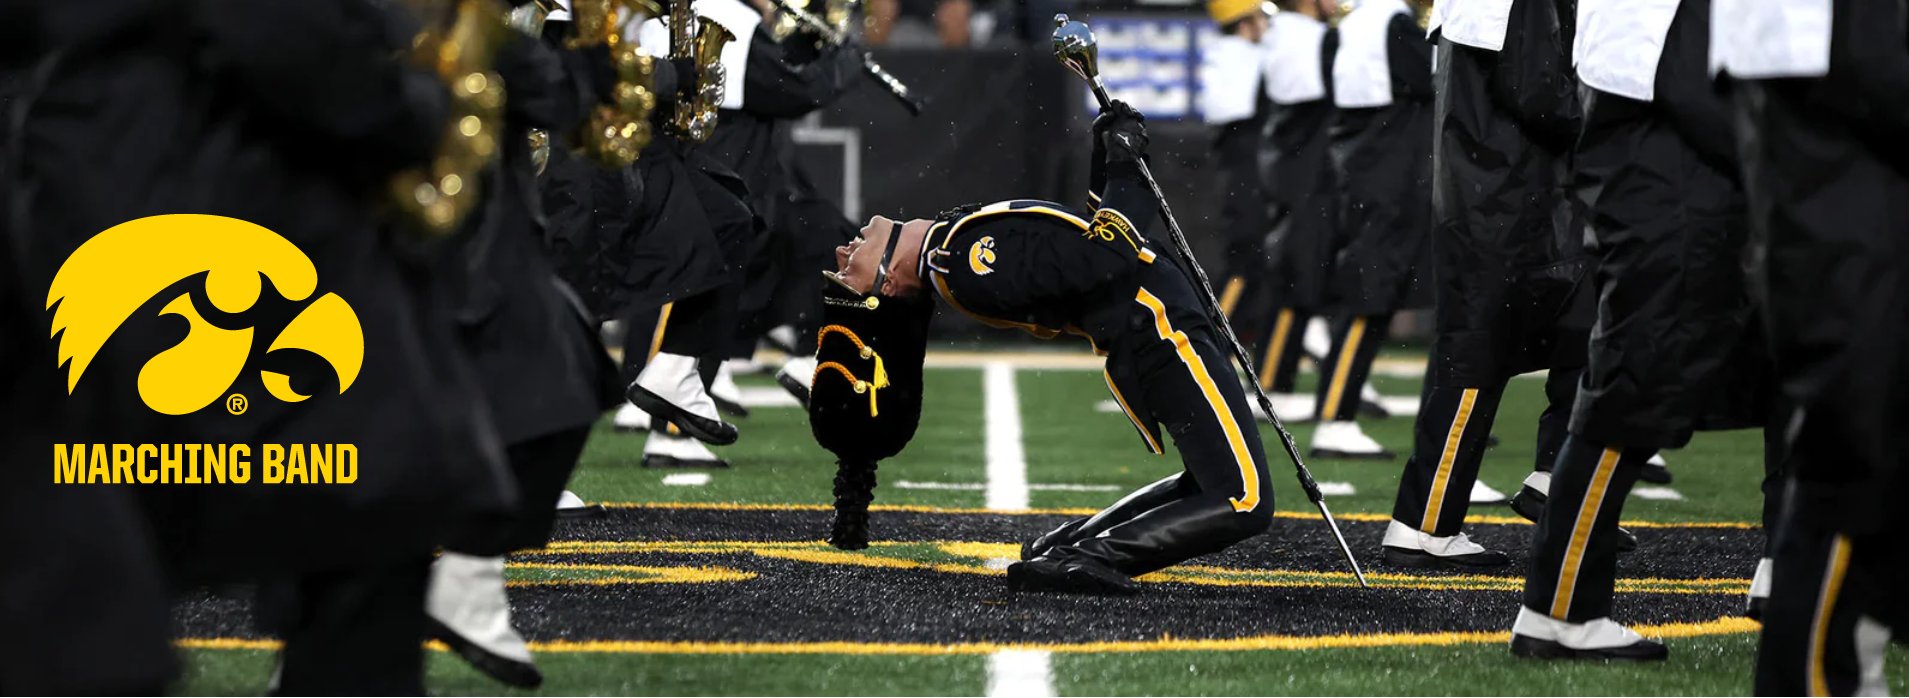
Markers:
point(351, 631)
point(541, 467)
point(1826, 624)
point(1448, 446)
point(1355, 345)
point(700, 326)
point(1824, 173)
point(1574, 559)
point(1172, 372)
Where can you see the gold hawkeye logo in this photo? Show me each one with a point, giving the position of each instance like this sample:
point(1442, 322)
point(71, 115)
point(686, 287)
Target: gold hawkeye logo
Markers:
point(116, 272)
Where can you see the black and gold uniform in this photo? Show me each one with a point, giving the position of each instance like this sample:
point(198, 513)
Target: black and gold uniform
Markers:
point(1665, 218)
point(1381, 148)
point(1509, 261)
point(1301, 188)
point(1824, 166)
point(1049, 270)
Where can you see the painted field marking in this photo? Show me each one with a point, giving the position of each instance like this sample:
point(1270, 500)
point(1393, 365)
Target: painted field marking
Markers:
point(761, 396)
point(1337, 489)
point(1007, 460)
point(1011, 672)
point(1367, 516)
point(686, 479)
point(977, 487)
point(1657, 493)
point(1020, 673)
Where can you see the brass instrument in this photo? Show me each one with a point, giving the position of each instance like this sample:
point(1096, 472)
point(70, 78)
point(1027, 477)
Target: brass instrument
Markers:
point(840, 13)
point(617, 132)
point(836, 35)
point(1421, 11)
point(699, 40)
point(440, 195)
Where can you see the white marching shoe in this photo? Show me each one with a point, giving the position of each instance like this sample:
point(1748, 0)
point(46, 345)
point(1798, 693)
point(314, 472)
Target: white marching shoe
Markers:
point(1292, 408)
point(1538, 636)
point(1316, 341)
point(630, 418)
point(1485, 494)
point(1656, 471)
point(468, 610)
point(670, 390)
point(571, 506)
point(726, 393)
point(1336, 439)
point(667, 451)
point(796, 376)
point(1406, 546)
point(1759, 589)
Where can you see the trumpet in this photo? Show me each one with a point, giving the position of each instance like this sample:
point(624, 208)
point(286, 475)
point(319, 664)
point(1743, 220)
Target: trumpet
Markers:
point(835, 35)
point(699, 40)
point(438, 196)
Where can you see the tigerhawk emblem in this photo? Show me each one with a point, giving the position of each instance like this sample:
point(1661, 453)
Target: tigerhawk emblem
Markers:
point(981, 256)
point(117, 271)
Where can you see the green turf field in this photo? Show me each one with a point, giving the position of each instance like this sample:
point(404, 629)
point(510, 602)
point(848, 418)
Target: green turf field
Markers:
point(1076, 457)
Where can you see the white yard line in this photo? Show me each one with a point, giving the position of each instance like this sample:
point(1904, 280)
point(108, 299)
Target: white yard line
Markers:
point(1337, 489)
point(977, 487)
point(1659, 493)
point(1020, 673)
point(1010, 672)
point(686, 479)
point(1007, 462)
point(771, 396)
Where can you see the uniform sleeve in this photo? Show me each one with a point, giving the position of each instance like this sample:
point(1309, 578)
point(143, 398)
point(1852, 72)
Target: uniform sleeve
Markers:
point(1534, 81)
point(776, 87)
point(1410, 58)
point(1015, 265)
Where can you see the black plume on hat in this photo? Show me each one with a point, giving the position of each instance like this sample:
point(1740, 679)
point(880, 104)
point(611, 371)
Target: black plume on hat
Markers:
point(865, 400)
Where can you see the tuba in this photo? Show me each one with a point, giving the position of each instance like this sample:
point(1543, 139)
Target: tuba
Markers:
point(699, 40)
point(439, 195)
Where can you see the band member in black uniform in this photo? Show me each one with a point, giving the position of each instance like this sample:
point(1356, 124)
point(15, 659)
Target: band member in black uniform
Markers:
point(1382, 158)
point(1231, 101)
point(769, 83)
point(1509, 262)
point(1048, 269)
point(293, 118)
point(1821, 103)
point(544, 371)
point(1301, 193)
point(1672, 305)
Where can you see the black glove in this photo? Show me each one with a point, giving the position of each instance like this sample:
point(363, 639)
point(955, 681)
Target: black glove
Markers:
point(1122, 131)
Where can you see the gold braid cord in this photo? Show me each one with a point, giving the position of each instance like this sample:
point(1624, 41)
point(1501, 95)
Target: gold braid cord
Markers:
point(876, 382)
point(440, 195)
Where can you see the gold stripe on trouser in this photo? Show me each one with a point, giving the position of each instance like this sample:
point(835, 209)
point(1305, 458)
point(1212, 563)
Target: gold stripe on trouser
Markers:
point(1230, 298)
point(1581, 532)
point(662, 324)
point(1249, 476)
point(1453, 436)
point(1275, 348)
point(1826, 607)
point(1151, 444)
point(1343, 369)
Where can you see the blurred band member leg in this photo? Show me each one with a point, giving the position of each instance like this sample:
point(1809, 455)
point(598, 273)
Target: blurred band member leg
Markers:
point(1233, 104)
point(1673, 305)
point(1509, 264)
point(1823, 166)
point(1382, 155)
point(1301, 194)
point(544, 371)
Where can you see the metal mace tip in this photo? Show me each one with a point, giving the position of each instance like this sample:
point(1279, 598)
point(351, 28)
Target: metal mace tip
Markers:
point(1075, 46)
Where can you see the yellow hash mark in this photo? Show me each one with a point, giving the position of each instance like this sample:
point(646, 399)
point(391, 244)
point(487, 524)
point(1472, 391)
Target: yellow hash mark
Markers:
point(820, 553)
point(1082, 511)
point(629, 574)
point(1729, 625)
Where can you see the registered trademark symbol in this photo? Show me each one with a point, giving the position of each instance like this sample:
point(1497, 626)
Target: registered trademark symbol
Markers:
point(235, 404)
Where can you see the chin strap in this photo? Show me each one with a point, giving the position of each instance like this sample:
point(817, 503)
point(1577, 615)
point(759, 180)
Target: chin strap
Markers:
point(888, 253)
